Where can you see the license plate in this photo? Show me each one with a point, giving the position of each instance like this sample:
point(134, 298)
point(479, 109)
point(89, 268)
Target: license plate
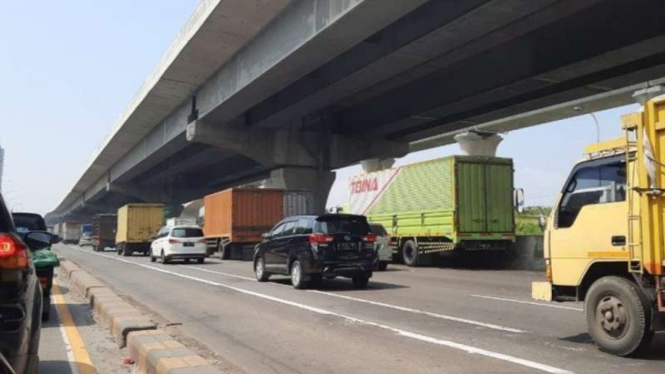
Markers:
point(188, 244)
point(347, 246)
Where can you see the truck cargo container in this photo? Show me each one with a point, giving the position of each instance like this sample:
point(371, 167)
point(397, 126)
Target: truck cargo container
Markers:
point(137, 225)
point(70, 232)
point(236, 218)
point(103, 231)
point(452, 203)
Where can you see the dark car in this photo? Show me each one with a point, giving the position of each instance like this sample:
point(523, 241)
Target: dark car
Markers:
point(25, 222)
point(311, 248)
point(20, 298)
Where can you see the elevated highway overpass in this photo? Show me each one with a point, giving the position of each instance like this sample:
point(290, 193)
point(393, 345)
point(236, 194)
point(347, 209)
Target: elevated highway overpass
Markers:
point(282, 92)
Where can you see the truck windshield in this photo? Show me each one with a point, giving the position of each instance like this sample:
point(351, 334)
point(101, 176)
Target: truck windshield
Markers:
point(343, 225)
point(187, 233)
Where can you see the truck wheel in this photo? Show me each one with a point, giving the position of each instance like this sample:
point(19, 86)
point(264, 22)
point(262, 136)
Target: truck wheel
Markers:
point(618, 316)
point(224, 251)
point(260, 270)
point(121, 249)
point(410, 253)
point(126, 251)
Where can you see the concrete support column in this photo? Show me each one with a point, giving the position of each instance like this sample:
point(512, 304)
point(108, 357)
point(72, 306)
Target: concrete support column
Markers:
point(318, 182)
point(377, 164)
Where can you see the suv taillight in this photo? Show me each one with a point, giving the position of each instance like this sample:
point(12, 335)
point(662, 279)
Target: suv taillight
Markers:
point(316, 239)
point(369, 238)
point(173, 241)
point(13, 254)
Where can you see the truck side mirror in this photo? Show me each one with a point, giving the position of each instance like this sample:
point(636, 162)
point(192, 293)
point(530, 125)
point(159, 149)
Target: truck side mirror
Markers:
point(542, 222)
point(518, 199)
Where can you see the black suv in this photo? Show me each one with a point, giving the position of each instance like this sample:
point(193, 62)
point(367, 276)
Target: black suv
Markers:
point(20, 299)
point(310, 248)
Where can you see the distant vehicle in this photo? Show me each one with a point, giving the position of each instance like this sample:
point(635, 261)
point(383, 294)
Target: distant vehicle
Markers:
point(70, 232)
point(310, 248)
point(103, 231)
point(178, 243)
point(382, 245)
point(137, 223)
point(235, 218)
point(86, 228)
point(177, 221)
point(86, 239)
point(453, 203)
point(20, 298)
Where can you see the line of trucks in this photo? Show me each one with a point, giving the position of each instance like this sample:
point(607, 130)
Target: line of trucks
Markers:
point(458, 203)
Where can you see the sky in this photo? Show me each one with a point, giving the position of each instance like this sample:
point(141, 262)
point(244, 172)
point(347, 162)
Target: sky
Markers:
point(69, 68)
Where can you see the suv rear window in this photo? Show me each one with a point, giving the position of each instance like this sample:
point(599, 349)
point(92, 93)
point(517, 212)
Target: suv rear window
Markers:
point(187, 233)
point(343, 225)
point(378, 230)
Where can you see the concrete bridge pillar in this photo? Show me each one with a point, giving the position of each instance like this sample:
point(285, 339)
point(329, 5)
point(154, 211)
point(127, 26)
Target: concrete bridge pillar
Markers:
point(317, 182)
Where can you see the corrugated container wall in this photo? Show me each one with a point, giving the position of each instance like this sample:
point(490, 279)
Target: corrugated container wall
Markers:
point(298, 203)
point(242, 215)
point(104, 226)
point(137, 223)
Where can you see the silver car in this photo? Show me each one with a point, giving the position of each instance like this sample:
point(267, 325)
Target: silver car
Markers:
point(86, 239)
point(382, 245)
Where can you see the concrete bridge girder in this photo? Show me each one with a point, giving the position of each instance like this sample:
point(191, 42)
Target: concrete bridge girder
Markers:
point(315, 149)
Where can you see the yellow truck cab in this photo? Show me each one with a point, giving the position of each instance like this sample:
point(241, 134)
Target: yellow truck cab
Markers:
point(604, 241)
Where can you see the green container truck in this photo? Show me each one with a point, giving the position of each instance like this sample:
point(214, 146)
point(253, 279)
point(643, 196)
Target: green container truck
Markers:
point(454, 203)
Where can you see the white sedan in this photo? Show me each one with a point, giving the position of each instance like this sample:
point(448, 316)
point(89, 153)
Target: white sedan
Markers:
point(178, 243)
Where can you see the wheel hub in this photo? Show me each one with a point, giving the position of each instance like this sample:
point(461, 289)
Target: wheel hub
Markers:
point(259, 268)
point(612, 316)
point(296, 275)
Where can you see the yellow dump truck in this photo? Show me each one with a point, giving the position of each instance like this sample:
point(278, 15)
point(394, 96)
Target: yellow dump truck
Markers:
point(604, 242)
point(137, 225)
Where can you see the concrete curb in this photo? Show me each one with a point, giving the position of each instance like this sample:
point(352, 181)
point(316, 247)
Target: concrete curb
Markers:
point(153, 350)
point(67, 268)
point(111, 310)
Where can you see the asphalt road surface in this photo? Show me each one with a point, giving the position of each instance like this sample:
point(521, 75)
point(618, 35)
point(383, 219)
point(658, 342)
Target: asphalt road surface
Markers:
point(424, 320)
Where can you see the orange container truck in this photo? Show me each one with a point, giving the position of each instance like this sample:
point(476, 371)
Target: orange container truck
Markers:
point(236, 218)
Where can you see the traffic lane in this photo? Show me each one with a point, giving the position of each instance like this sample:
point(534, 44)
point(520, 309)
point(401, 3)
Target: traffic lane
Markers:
point(72, 342)
point(265, 331)
point(53, 350)
point(573, 349)
point(450, 293)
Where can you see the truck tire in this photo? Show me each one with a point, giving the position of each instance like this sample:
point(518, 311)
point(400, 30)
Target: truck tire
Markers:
point(410, 253)
point(224, 250)
point(618, 316)
point(120, 249)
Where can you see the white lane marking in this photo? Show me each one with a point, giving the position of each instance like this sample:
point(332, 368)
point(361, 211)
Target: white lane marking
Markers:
point(376, 303)
point(68, 347)
point(400, 332)
point(528, 302)
point(417, 311)
point(218, 272)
